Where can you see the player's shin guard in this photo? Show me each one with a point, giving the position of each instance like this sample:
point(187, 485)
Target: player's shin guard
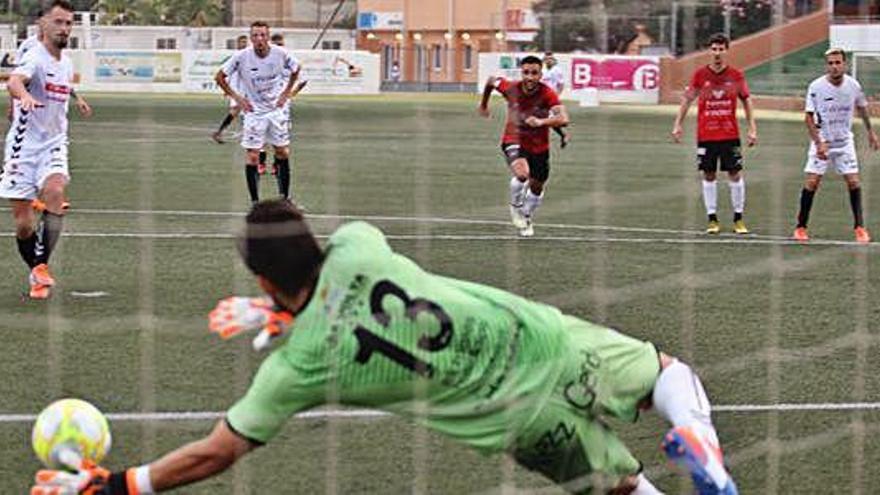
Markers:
point(48, 233)
point(710, 196)
point(532, 202)
point(806, 204)
point(282, 165)
point(252, 176)
point(738, 195)
point(679, 398)
point(855, 201)
point(517, 188)
point(27, 249)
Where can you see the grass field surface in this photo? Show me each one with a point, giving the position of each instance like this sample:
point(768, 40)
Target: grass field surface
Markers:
point(148, 251)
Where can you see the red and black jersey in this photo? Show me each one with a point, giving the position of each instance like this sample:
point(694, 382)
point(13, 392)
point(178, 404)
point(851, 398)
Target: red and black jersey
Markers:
point(522, 105)
point(718, 93)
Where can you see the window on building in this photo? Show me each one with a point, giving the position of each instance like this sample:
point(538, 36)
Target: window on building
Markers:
point(73, 43)
point(331, 45)
point(166, 44)
point(230, 44)
point(468, 59)
point(438, 57)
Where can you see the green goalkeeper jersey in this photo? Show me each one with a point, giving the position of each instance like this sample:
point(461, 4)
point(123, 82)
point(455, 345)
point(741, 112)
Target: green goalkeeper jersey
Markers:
point(467, 360)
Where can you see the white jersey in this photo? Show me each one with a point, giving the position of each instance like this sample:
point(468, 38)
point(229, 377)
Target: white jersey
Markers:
point(554, 78)
point(50, 83)
point(832, 108)
point(261, 80)
point(27, 45)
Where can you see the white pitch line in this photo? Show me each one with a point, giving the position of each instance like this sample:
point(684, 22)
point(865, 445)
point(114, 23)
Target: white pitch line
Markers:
point(370, 413)
point(493, 238)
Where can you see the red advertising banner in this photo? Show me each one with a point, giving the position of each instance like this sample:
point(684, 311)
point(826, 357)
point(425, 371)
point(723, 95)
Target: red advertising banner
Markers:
point(615, 74)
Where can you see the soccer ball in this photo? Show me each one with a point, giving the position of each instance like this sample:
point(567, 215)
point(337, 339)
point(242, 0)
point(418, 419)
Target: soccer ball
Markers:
point(70, 430)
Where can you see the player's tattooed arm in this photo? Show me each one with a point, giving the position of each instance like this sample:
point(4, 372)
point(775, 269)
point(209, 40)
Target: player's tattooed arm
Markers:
point(813, 130)
point(222, 80)
point(490, 86)
point(872, 135)
point(17, 86)
point(286, 94)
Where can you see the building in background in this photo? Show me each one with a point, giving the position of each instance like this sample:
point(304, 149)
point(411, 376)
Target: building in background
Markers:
point(438, 41)
point(291, 13)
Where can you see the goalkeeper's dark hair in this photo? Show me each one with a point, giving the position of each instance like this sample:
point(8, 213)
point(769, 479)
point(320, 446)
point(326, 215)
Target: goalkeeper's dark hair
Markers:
point(719, 39)
point(278, 245)
point(530, 59)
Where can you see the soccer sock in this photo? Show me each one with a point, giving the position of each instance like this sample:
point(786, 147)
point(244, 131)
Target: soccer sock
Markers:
point(262, 157)
point(679, 398)
point(283, 167)
point(517, 188)
point(253, 181)
point(226, 122)
point(533, 201)
point(26, 248)
point(710, 196)
point(48, 233)
point(559, 130)
point(806, 204)
point(738, 195)
point(645, 487)
point(855, 201)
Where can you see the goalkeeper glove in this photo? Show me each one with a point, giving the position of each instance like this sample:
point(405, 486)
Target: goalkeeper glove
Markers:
point(235, 315)
point(90, 479)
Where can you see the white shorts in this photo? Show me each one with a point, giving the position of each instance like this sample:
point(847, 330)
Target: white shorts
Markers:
point(232, 103)
point(23, 177)
point(272, 127)
point(843, 160)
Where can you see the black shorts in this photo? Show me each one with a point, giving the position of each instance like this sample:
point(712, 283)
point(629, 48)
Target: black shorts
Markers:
point(729, 153)
point(539, 163)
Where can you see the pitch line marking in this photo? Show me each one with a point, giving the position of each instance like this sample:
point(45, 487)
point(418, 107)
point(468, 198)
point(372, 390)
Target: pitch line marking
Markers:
point(369, 413)
point(458, 237)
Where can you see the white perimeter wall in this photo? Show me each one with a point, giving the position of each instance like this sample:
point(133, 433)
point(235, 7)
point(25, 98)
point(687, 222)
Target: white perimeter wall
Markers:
point(856, 37)
point(193, 71)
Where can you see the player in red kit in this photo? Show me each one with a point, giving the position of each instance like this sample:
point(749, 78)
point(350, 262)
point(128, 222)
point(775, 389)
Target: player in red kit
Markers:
point(532, 109)
point(718, 86)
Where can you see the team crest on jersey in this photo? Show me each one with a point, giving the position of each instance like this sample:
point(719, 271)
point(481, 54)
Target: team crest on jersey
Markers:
point(718, 94)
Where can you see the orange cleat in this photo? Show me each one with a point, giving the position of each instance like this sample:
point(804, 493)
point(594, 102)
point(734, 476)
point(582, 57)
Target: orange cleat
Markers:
point(40, 276)
point(39, 206)
point(862, 235)
point(800, 234)
point(39, 291)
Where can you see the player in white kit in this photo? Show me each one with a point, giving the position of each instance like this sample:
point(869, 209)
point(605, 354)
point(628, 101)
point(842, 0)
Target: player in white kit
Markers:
point(35, 163)
point(553, 77)
point(267, 75)
point(831, 101)
point(240, 44)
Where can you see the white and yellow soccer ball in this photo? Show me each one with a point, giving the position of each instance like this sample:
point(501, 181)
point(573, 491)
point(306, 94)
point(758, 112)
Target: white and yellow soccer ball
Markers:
point(68, 431)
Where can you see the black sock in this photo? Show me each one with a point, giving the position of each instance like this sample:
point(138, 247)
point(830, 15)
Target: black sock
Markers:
point(713, 217)
point(26, 248)
point(282, 165)
point(737, 216)
point(558, 130)
point(855, 201)
point(226, 122)
point(253, 181)
point(48, 233)
point(262, 157)
point(806, 204)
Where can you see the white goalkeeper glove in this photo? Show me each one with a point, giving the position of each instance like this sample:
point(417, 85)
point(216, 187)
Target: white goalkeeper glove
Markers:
point(235, 315)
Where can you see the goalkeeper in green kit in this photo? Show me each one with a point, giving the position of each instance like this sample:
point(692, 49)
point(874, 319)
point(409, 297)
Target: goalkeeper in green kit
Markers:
point(485, 367)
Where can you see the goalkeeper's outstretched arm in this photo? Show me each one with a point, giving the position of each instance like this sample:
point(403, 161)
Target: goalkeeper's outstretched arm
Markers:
point(200, 459)
point(193, 462)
